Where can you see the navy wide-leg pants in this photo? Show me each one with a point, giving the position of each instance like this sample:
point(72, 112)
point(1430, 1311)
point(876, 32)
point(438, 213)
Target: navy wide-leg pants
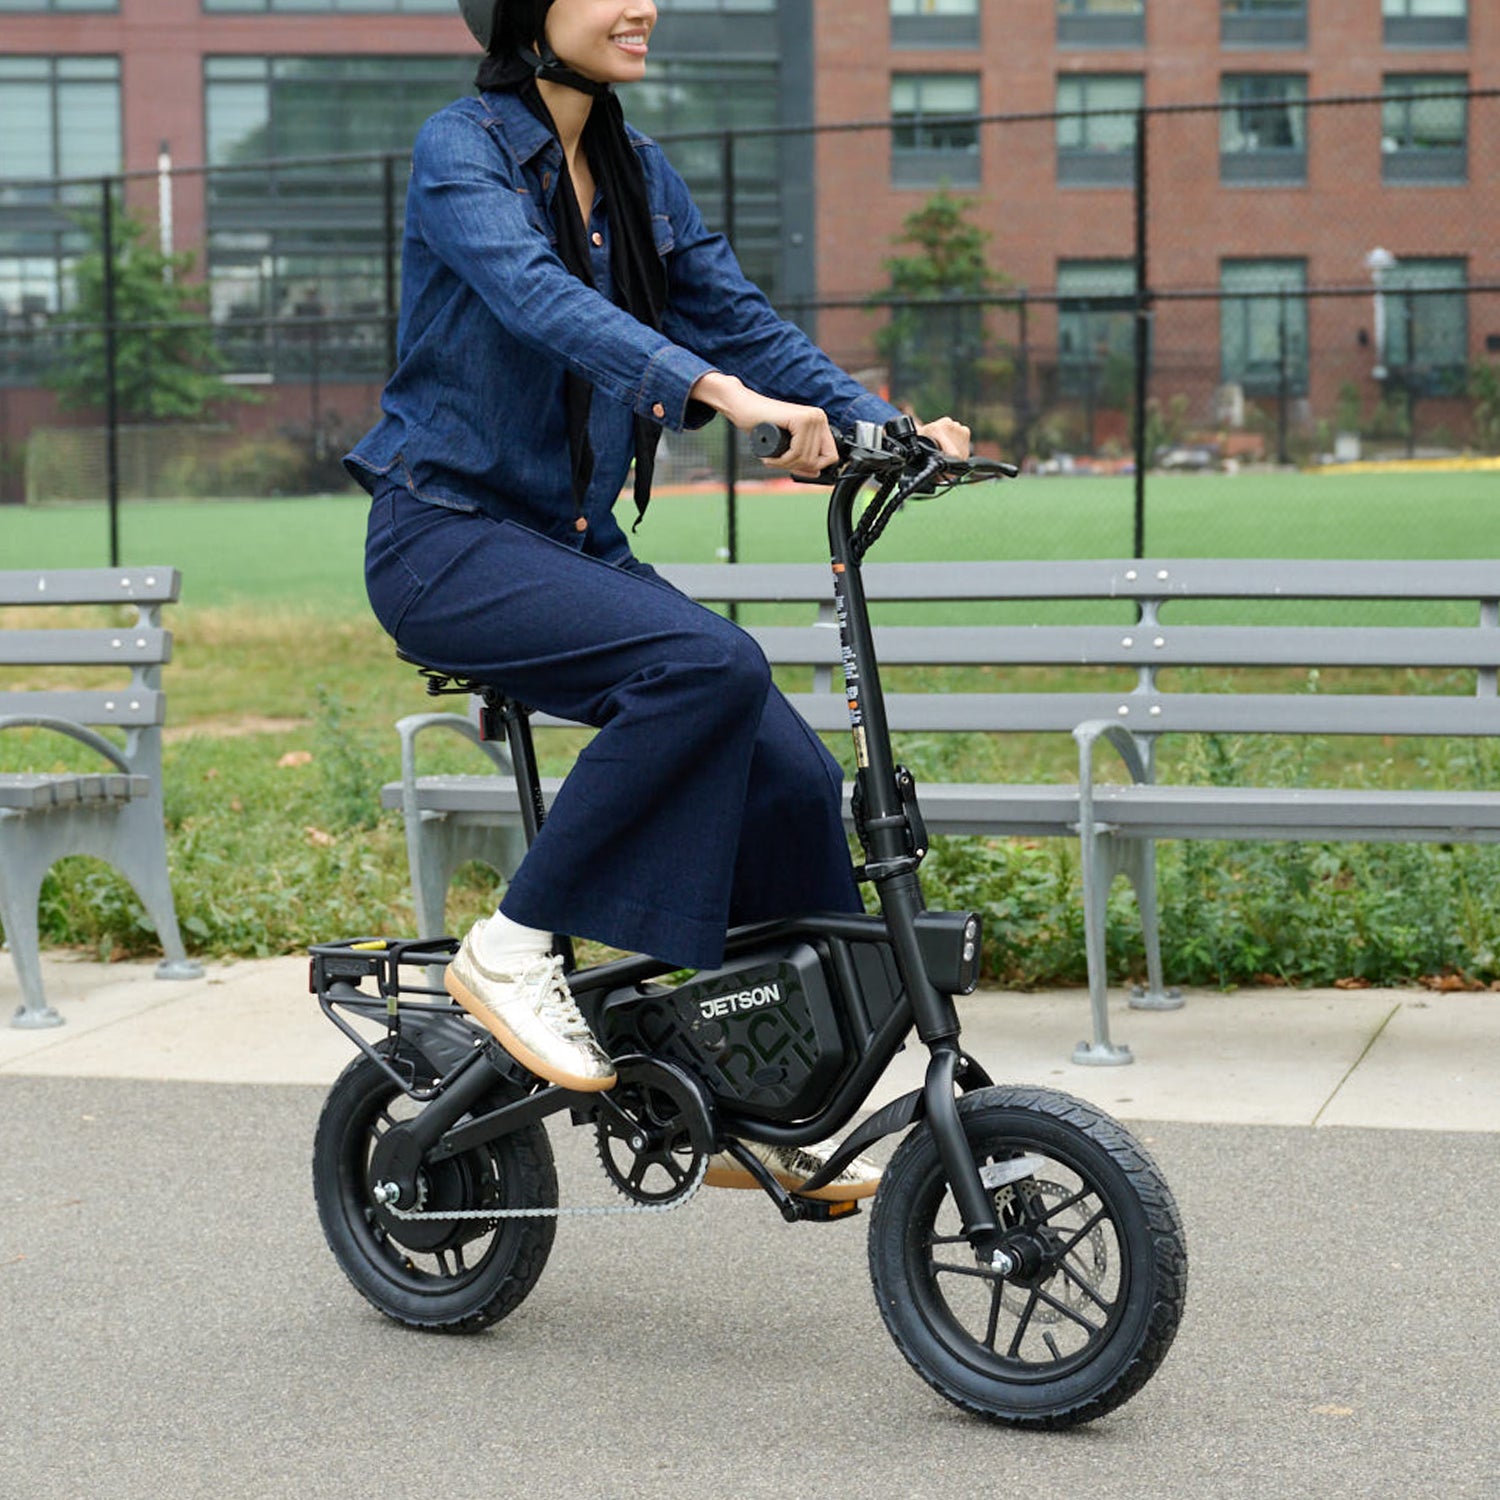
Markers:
point(704, 800)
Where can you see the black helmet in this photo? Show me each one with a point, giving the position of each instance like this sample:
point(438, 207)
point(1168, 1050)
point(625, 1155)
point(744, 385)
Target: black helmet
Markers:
point(479, 17)
point(490, 20)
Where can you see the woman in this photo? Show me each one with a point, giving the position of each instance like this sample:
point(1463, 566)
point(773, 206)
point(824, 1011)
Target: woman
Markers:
point(562, 302)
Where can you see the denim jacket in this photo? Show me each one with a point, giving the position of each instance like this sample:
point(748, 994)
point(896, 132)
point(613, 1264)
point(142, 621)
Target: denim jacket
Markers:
point(474, 416)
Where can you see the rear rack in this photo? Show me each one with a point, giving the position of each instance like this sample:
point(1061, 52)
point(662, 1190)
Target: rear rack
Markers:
point(337, 974)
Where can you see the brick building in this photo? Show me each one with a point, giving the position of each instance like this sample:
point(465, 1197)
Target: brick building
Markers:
point(1258, 205)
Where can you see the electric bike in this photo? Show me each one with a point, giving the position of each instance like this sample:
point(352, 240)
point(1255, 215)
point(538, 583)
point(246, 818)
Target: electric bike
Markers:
point(1026, 1254)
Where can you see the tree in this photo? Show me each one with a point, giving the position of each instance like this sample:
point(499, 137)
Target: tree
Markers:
point(937, 353)
point(166, 361)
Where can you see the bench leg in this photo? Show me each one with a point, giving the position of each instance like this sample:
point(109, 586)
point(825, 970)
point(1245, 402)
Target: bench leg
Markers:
point(1099, 856)
point(1138, 858)
point(139, 852)
point(20, 888)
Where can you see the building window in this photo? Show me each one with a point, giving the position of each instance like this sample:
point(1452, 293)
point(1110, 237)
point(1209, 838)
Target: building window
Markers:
point(59, 117)
point(931, 140)
point(308, 238)
point(1263, 23)
point(1096, 331)
point(7, 6)
point(284, 7)
point(1263, 128)
point(1263, 326)
point(701, 99)
point(1101, 23)
point(934, 23)
point(1096, 128)
point(1425, 23)
point(1426, 326)
point(1424, 128)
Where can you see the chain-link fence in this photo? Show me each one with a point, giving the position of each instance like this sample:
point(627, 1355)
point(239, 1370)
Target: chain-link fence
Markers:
point(1267, 279)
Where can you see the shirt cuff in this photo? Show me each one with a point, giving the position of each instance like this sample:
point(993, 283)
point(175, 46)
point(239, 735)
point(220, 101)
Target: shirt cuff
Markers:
point(869, 408)
point(663, 392)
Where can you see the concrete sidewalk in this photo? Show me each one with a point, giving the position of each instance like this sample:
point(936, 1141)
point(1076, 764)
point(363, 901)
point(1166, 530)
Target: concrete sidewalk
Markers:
point(1398, 1059)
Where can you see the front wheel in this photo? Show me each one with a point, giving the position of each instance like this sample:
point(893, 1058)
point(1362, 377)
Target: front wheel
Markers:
point(1098, 1271)
point(447, 1275)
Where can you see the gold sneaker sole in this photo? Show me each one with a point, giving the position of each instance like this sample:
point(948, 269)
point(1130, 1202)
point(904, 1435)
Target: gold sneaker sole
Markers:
point(732, 1175)
point(549, 1072)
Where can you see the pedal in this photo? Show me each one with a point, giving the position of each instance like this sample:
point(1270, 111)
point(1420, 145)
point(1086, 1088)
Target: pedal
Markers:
point(819, 1211)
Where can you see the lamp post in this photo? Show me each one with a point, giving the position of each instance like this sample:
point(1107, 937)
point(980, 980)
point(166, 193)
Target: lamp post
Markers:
point(1378, 262)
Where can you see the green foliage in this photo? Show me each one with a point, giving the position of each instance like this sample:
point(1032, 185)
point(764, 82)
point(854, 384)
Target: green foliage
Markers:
point(1484, 391)
point(165, 371)
point(1165, 426)
point(938, 353)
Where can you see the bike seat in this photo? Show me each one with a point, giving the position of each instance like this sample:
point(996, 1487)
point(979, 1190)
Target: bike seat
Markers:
point(439, 681)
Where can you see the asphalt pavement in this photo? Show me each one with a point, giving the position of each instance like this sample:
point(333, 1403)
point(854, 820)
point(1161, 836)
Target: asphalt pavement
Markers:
point(173, 1325)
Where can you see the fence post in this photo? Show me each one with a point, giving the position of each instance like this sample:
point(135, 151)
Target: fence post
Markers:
point(1142, 332)
point(111, 366)
point(1023, 379)
point(1282, 378)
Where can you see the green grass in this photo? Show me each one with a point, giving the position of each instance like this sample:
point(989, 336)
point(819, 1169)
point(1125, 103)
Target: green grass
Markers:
point(276, 653)
point(307, 553)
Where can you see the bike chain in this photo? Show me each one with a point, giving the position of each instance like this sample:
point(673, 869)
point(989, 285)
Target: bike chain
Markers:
point(587, 1210)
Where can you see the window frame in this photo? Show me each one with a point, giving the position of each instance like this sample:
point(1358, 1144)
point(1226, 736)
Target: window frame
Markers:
point(924, 164)
point(1085, 165)
point(1263, 166)
point(1249, 306)
point(1403, 162)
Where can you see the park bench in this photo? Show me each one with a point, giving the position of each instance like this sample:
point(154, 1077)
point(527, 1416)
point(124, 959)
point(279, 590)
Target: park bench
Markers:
point(1146, 644)
point(115, 812)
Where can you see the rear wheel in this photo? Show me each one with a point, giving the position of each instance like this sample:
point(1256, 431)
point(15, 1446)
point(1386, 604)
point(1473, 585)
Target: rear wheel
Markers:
point(453, 1275)
point(1098, 1264)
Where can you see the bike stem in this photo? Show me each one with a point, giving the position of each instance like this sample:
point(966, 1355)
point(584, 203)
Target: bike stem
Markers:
point(892, 864)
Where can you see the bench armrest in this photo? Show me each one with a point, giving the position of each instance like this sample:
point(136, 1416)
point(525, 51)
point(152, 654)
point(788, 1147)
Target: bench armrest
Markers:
point(1091, 731)
point(414, 724)
point(1088, 734)
point(84, 736)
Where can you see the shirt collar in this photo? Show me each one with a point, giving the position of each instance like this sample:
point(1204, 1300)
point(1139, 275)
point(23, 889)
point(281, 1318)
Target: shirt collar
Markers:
point(526, 136)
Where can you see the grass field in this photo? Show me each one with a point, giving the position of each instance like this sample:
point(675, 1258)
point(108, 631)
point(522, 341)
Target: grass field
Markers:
point(306, 553)
point(283, 690)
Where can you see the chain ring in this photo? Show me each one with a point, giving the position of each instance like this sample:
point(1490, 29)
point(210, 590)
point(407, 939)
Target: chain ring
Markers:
point(635, 1073)
point(657, 1155)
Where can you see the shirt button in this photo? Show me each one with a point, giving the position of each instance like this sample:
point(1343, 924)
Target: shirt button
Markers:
point(546, 181)
point(597, 238)
point(658, 410)
point(581, 524)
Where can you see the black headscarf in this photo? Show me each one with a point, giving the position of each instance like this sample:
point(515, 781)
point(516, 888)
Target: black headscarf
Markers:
point(518, 56)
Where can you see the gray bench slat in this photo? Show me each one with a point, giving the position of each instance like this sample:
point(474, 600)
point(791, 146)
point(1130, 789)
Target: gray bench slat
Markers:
point(1203, 713)
point(948, 807)
point(1149, 811)
point(34, 792)
point(128, 707)
point(1212, 578)
point(1305, 813)
point(145, 646)
point(1150, 646)
point(146, 585)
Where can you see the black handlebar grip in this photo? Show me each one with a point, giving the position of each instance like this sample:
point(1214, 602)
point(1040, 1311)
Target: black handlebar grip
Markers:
point(767, 440)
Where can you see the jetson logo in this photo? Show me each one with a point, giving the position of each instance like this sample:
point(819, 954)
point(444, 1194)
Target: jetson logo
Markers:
point(742, 1000)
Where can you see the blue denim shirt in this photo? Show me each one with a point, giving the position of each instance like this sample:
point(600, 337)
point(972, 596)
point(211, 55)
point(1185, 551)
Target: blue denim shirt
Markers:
point(491, 319)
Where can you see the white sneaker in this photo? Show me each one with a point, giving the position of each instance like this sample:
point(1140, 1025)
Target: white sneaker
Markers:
point(532, 1014)
point(791, 1166)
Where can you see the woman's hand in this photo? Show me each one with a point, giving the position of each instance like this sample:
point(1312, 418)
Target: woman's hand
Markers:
point(812, 448)
point(952, 437)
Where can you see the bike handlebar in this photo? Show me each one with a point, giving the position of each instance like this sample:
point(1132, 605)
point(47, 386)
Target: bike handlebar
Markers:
point(872, 449)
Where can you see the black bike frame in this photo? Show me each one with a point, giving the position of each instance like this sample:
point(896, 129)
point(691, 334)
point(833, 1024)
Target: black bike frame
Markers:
point(892, 860)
